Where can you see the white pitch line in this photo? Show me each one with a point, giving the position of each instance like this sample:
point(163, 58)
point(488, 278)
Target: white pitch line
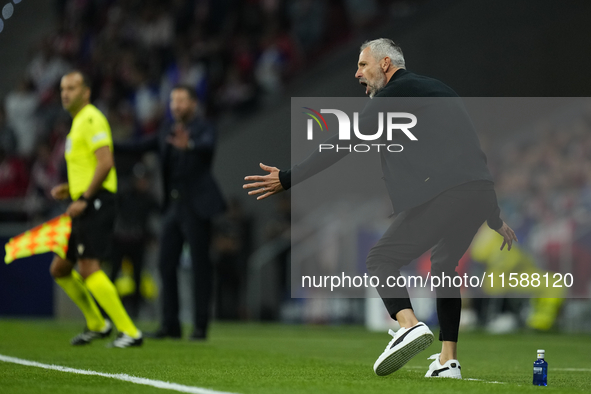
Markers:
point(572, 369)
point(484, 381)
point(120, 376)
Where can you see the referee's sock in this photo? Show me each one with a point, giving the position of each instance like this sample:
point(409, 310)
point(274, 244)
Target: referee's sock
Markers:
point(106, 295)
point(74, 287)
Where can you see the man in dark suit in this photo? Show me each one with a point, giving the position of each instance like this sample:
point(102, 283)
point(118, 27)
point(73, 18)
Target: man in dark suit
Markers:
point(441, 191)
point(191, 199)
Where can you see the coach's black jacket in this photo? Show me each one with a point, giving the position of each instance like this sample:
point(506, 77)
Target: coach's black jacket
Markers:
point(196, 184)
point(446, 154)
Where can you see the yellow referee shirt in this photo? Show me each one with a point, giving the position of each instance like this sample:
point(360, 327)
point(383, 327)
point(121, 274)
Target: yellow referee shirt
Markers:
point(90, 131)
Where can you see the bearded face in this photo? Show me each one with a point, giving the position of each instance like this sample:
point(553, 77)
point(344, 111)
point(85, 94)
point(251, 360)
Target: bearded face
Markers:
point(370, 73)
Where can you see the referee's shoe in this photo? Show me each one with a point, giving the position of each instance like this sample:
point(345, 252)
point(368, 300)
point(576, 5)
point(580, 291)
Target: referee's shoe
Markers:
point(405, 344)
point(87, 336)
point(123, 340)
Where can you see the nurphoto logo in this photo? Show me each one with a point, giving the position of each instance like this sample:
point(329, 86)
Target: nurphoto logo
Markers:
point(392, 125)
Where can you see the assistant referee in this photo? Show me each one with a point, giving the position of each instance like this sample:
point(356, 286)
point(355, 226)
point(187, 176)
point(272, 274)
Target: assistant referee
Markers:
point(92, 184)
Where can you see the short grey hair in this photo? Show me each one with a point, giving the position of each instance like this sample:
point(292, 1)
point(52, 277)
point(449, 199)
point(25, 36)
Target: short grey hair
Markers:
point(383, 47)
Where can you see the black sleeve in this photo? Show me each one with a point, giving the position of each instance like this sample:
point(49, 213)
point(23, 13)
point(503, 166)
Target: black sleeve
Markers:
point(317, 161)
point(285, 179)
point(494, 221)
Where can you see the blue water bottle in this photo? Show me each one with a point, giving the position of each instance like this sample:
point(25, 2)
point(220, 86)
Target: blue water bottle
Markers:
point(540, 370)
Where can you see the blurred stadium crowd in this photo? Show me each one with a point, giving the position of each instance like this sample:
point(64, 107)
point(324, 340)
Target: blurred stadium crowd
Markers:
point(239, 54)
point(543, 180)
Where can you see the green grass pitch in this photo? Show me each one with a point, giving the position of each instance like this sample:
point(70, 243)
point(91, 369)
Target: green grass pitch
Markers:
point(253, 358)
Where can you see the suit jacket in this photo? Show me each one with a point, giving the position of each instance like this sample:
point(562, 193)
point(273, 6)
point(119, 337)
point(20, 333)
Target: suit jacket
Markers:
point(197, 185)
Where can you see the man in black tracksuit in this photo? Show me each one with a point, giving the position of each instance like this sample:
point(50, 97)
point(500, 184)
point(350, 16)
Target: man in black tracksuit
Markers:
point(441, 191)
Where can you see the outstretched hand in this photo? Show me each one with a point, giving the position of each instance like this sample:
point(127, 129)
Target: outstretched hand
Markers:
point(268, 184)
point(508, 236)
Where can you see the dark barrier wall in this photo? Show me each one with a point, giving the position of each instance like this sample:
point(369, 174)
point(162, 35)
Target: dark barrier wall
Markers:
point(485, 48)
point(506, 48)
point(26, 288)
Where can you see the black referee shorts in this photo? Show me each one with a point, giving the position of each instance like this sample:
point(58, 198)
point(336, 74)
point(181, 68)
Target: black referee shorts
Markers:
point(92, 231)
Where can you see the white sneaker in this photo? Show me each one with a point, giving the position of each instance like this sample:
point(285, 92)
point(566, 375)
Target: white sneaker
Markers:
point(405, 344)
point(451, 369)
